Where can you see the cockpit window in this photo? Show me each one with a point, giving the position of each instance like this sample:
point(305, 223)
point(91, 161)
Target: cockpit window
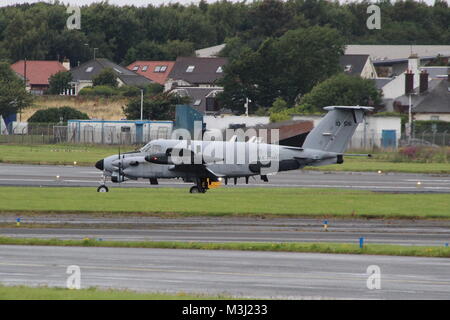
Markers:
point(151, 148)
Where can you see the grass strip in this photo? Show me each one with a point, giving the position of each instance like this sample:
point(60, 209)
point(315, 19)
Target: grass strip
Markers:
point(289, 202)
point(47, 293)
point(337, 248)
point(87, 155)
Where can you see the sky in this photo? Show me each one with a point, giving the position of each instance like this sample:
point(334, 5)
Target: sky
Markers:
point(143, 2)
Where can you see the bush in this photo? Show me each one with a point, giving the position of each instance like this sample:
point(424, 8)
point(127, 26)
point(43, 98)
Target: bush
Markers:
point(105, 91)
point(54, 115)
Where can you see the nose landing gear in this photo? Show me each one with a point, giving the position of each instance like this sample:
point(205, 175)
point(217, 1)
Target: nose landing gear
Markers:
point(103, 187)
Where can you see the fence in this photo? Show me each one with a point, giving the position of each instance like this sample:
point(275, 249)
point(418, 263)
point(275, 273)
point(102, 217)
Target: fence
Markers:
point(427, 138)
point(22, 133)
point(35, 134)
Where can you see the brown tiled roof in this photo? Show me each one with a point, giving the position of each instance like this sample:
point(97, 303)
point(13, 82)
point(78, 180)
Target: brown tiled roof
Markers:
point(38, 71)
point(149, 72)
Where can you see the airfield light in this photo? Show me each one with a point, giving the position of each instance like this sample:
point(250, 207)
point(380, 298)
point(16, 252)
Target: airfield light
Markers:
point(419, 183)
point(74, 163)
point(57, 177)
point(380, 172)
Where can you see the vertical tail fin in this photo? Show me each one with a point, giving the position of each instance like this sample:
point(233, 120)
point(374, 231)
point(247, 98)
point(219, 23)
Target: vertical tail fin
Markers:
point(335, 130)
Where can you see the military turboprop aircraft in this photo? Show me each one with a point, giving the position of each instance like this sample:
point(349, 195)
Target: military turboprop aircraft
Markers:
point(206, 163)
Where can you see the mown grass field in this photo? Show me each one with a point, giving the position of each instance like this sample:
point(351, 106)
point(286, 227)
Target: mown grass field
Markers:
point(375, 165)
point(222, 202)
point(84, 155)
point(87, 155)
point(44, 293)
point(326, 247)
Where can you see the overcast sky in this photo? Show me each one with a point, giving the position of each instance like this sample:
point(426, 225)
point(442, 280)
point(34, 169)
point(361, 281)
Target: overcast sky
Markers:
point(143, 2)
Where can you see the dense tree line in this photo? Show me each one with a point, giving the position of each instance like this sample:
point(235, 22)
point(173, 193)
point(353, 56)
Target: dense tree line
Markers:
point(122, 34)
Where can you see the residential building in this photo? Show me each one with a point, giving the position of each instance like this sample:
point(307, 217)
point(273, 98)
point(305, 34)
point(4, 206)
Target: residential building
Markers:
point(38, 73)
point(202, 99)
point(195, 72)
point(358, 65)
point(430, 102)
point(156, 71)
point(83, 75)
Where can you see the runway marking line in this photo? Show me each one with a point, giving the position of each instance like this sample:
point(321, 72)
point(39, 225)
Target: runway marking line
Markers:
point(363, 275)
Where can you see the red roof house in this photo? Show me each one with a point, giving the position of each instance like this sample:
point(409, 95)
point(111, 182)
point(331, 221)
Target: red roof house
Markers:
point(37, 73)
point(157, 71)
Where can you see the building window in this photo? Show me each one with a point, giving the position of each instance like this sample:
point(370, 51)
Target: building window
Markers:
point(190, 69)
point(197, 102)
point(135, 68)
point(211, 104)
point(144, 68)
point(219, 69)
point(434, 118)
point(163, 69)
point(348, 68)
point(157, 69)
point(89, 69)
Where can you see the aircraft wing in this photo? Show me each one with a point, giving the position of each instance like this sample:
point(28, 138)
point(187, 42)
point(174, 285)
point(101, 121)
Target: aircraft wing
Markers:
point(200, 170)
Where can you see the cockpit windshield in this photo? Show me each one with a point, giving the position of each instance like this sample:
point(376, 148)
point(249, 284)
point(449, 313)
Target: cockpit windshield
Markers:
point(151, 148)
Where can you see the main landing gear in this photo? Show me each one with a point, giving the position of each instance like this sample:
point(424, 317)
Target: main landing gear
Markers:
point(201, 187)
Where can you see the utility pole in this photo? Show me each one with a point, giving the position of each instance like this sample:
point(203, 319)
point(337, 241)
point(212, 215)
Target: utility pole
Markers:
point(94, 52)
point(142, 104)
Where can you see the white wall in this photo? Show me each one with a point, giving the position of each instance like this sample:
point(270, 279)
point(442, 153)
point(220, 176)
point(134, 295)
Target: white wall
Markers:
point(373, 133)
point(110, 132)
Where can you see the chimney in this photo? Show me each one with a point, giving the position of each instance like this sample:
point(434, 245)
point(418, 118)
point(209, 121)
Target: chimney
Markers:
point(409, 82)
point(413, 63)
point(423, 81)
point(66, 64)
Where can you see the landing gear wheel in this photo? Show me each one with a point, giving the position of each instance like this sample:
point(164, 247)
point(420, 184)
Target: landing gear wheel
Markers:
point(102, 188)
point(194, 189)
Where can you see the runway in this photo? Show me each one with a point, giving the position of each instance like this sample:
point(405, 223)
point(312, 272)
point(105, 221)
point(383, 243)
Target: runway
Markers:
point(241, 274)
point(227, 229)
point(71, 176)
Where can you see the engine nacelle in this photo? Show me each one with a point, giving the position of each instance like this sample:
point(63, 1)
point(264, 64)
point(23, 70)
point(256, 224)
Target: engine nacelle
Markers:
point(159, 158)
point(117, 178)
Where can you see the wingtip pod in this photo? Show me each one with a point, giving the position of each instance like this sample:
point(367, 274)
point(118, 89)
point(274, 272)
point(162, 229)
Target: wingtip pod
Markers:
point(364, 108)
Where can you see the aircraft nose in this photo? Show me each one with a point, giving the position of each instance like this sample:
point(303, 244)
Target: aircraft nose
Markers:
point(100, 165)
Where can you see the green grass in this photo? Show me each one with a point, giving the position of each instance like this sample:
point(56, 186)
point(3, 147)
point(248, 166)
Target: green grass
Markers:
point(84, 155)
point(87, 155)
point(374, 165)
point(221, 202)
point(336, 248)
point(45, 293)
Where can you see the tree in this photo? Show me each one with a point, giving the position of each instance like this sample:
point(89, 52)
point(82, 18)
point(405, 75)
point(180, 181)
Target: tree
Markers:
point(59, 82)
point(285, 67)
point(341, 89)
point(13, 96)
point(158, 107)
point(106, 77)
point(55, 115)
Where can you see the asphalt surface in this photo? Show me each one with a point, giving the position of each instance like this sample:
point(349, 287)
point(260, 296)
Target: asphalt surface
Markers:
point(58, 176)
point(241, 274)
point(227, 229)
